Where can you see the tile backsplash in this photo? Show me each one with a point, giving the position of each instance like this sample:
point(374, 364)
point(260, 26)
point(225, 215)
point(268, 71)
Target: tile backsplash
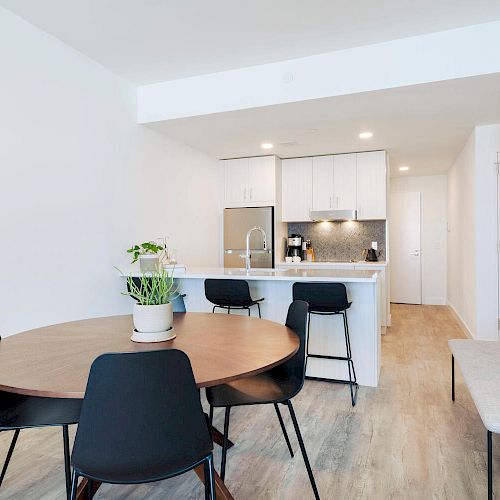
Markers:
point(341, 241)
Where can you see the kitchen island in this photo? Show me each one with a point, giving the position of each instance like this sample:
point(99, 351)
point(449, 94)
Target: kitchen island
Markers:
point(327, 334)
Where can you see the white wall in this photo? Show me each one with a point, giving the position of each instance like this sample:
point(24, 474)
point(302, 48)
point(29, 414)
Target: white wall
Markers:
point(486, 234)
point(433, 189)
point(81, 181)
point(472, 234)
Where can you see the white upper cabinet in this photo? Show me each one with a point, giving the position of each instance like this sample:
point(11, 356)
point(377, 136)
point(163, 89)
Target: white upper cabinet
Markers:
point(235, 175)
point(322, 182)
point(297, 177)
point(371, 185)
point(250, 182)
point(344, 182)
point(262, 180)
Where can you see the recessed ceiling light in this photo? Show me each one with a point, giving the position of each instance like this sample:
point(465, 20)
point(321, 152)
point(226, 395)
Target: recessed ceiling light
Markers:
point(366, 135)
point(404, 168)
point(267, 145)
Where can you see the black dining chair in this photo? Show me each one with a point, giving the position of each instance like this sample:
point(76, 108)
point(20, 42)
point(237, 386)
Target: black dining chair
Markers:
point(329, 299)
point(230, 294)
point(141, 421)
point(19, 412)
point(278, 385)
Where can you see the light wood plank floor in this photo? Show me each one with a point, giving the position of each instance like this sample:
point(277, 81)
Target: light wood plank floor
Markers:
point(403, 440)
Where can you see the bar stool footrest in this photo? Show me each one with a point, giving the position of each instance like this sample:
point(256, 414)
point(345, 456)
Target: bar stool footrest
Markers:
point(322, 356)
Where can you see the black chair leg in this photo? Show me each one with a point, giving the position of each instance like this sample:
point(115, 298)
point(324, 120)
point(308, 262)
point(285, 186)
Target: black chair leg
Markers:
point(452, 377)
point(283, 428)
point(67, 465)
point(211, 415)
point(353, 384)
point(225, 443)
point(90, 489)
point(209, 478)
point(74, 485)
point(228, 310)
point(213, 309)
point(258, 307)
point(307, 341)
point(303, 450)
point(490, 467)
point(9, 454)
point(248, 309)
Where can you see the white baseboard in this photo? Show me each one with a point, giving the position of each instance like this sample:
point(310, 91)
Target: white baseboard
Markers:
point(461, 322)
point(434, 301)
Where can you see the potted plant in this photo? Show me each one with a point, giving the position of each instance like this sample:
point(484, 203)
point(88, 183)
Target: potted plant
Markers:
point(148, 254)
point(153, 312)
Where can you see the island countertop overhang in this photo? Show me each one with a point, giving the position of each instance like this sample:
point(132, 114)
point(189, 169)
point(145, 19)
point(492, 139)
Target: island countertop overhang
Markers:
point(325, 275)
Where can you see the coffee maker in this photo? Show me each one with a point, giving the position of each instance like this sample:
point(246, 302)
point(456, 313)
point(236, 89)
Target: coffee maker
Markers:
point(294, 246)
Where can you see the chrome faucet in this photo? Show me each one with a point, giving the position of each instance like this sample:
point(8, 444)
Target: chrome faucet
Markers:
point(248, 255)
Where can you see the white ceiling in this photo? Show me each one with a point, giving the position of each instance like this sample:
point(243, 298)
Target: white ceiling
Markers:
point(423, 126)
point(154, 40)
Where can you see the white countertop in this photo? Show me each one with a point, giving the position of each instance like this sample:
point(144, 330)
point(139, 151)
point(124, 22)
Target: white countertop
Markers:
point(331, 264)
point(329, 275)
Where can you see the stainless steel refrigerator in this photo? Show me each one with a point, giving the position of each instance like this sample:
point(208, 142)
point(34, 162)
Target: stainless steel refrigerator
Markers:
point(237, 222)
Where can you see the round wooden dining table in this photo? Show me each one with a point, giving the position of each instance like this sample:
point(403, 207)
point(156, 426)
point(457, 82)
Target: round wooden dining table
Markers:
point(54, 361)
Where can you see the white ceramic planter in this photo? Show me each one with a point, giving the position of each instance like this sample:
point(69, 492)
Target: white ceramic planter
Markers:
point(149, 263)
point(151, 319)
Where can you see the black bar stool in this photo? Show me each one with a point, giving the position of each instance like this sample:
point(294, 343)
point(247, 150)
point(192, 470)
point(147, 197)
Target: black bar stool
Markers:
point(230, 294)
point(328, 299)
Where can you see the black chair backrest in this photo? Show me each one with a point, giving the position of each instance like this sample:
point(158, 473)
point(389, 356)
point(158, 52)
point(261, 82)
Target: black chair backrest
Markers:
point(322, 297)
point(227, 292)
point(141, 419)
point(291, 373)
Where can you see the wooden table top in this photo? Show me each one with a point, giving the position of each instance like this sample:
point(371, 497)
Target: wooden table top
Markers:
point(54, 361)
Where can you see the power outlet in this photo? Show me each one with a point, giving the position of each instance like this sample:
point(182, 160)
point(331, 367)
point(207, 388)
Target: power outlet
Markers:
point(374, 245)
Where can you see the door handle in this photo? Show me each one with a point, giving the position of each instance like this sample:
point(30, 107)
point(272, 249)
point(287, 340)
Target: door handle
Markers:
point(416, 253)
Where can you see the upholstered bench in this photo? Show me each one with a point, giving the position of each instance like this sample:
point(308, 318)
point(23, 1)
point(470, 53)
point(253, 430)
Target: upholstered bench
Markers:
point(479, 363)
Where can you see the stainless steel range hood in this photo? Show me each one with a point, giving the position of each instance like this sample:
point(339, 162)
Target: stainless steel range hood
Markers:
point(332, 215)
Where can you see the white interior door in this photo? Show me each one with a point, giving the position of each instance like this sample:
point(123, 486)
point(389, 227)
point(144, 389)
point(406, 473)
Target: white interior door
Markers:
point(405, 248)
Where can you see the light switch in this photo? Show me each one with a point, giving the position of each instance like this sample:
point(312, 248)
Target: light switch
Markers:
point(374, 245)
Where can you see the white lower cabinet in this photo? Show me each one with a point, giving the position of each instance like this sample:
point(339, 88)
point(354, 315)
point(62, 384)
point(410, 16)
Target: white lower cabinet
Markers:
point(385, 304)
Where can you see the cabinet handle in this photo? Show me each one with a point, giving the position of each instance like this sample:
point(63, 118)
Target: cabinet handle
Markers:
point(250, 194)
point(337, 202)
point(331, 206)
point(244, 194)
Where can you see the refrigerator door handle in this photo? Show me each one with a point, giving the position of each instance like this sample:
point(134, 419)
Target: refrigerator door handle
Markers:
point(252, 250)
